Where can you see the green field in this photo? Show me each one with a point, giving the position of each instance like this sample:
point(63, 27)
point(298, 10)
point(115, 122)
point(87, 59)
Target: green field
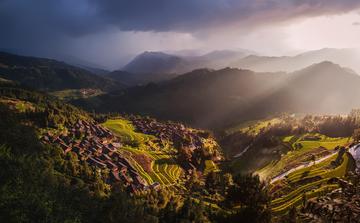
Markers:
point(253, 127)
point(296, 157)
point(73, 94)
point(126, 131)
point(210, 166)
point(293, 190)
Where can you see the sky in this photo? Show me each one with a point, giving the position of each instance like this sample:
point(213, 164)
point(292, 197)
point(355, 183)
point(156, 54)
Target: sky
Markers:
point(108, 33)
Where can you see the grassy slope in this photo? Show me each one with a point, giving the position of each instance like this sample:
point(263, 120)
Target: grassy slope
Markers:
point(253, 127)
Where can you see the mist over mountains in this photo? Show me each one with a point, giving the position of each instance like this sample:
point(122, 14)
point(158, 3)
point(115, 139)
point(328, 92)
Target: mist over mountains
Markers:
point(159, 62)
point(158, 66)
point(216, 98)
point(207, 97)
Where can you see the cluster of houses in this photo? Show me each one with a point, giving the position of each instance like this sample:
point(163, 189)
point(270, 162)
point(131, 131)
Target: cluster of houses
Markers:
point(174, 132)
point(188, 139)
point(99, 147)
point(341, 205)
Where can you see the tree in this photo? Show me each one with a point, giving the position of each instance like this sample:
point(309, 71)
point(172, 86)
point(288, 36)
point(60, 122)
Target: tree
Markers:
point(211, 181)
point(356, 135)
point(313, 158)
point(251, 195)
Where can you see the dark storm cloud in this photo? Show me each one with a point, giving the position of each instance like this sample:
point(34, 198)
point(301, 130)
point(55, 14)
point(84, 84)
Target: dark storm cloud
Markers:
point(47, 26)
point(80, 17)
point(192, 15)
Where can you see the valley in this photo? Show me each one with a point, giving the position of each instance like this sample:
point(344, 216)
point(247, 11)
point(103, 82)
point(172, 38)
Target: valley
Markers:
point(169, 146)
point(182, 111)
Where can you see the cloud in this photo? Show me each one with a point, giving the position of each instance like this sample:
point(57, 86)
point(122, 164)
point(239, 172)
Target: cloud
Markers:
point(81, 17)
point(43, 27)
point(192, 15)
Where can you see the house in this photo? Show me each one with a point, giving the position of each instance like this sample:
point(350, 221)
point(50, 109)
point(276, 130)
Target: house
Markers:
point(125, 178)
point(155, 186)
point(122, 167)
point(115, 175)
point(111, 165)
point(105, 157)
point(78, 150)
point(107, 149)
point(132, 188)
point(96, 162)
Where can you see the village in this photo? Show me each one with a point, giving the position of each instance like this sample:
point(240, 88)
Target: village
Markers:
point(174, 132)
point(340, 205)
point(99, 147)
point(188, 140)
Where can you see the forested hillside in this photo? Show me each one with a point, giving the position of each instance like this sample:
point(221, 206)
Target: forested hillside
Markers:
point(51, 75)
point(143, 171)
point(218, 99)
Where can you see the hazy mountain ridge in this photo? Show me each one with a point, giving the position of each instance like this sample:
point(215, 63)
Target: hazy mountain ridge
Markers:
point(49, 74)
point(159, 62)
point(210, 98)
point(344, 57)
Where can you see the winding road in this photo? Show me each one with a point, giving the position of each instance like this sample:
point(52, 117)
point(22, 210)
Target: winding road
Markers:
point(308, 164)
point(355, 152)
point(242, 152)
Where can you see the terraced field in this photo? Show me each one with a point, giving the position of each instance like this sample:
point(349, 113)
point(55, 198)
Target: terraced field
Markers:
point(210, 166)
point(164, 168)
point(298, 156)
point(126, 131)
point(19, 105)
point(307, 183)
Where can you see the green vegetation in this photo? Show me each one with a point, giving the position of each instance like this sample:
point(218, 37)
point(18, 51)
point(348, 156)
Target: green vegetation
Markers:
point(253, 127)
point(73, 94)
point(301, 152)
point(126, 131)
point(210, 166)
point(163, 167)
point(323, 171)
point(18, 105)
point(51, 75)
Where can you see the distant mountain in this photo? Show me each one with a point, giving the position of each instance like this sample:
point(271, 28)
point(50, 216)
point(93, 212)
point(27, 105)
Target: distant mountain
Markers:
point(156, 62)
point(344, 57)
point(323, 88)
point(158, 66)
point(215, 99)
point(94, 70)
point(132, 79)
point(50, 75)
point(202, 97)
